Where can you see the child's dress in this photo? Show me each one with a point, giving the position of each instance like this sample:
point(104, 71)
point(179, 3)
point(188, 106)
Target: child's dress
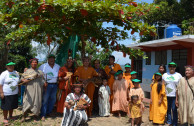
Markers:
point(104, 104)
point(120, 102)
point(158, 112)
point(135, 109)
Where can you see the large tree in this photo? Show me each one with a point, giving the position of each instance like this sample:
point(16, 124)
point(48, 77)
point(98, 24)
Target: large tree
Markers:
point(55, 20)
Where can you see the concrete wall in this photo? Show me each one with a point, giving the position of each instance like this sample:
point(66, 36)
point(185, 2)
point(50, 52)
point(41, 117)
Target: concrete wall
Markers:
point(149, 70)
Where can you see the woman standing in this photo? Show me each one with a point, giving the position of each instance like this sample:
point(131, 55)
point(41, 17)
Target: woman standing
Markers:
point(34, 80)
point(171, 80)
point(65, 83)
point(9, 91)
point(161, 70)
point(158, 103)
point(84, 73)
point(78, 116)
point(185, 97)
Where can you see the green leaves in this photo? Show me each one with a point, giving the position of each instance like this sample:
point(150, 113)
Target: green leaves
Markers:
point(62, 18)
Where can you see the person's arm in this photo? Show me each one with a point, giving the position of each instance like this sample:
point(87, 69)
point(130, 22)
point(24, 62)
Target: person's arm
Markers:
point(151, 96)
point(177, 97)
point(160, 101)
point(1, 92)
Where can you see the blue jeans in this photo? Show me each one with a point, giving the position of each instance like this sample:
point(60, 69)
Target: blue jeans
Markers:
point(22, 93)
point(172, 106)
point(49, 99)
point(186, 124)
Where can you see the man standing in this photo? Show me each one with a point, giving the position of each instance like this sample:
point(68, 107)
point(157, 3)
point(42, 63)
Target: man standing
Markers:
point(110, 70)
point(50, 71)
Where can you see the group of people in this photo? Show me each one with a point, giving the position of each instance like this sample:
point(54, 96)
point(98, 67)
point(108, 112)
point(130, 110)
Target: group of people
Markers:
point(77, 92)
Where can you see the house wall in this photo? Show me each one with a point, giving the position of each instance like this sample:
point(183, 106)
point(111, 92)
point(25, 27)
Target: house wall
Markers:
point(149, 70)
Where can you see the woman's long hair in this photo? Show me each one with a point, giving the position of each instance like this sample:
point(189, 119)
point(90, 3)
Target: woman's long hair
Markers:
point(159, 86)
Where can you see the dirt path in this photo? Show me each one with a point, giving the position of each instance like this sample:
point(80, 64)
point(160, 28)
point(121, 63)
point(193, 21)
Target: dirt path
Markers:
point(56, 119)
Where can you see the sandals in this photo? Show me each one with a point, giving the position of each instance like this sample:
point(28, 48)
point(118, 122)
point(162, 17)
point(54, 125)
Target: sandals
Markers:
point(5, 122)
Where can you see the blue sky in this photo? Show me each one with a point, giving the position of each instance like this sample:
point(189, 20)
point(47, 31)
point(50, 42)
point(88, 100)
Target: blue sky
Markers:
point(119, 55)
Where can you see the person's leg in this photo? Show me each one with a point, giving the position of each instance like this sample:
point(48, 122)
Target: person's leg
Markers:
point(45, 101)
point(10, 113)
point(22, 93)
point(174, 110)
point(169, 118)
point(132, 121)
point(5, 113)
point(52, 98)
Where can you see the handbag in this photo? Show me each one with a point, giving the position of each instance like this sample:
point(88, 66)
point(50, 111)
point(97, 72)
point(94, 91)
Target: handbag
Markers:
point(190, 87)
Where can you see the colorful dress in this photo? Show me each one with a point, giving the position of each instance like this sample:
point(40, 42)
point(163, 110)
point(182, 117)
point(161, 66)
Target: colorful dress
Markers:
point(64, 88)
point(75, 117)
point(120, 102)
point(158, 112)
point(88, 73)
point(104, 104)
point(135, 109)
point(111, 80)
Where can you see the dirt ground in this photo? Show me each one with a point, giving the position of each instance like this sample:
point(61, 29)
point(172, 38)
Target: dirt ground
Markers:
point(55, 120)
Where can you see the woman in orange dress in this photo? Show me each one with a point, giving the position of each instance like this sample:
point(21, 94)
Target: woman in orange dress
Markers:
point(110, 70)
point(65, 84)
point(84, 73)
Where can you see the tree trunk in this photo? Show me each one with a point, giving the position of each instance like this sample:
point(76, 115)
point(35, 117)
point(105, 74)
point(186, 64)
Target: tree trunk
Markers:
point(4, 61)
point(83, 50)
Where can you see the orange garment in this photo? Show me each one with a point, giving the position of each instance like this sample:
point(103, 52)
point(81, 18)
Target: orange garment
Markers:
point(120, 102)
point(88, 73)
point(158, 112)
point(111, 80)
point(63, 85)
point(127, 77)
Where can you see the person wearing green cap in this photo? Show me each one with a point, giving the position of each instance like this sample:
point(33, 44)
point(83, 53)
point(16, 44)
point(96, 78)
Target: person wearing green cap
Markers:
point(158, 103)
point(50, 71)
point(136, 90)
point(120, 87)
point(133, 75)
point(9, 91)
point(171, 80)
point(127, 77)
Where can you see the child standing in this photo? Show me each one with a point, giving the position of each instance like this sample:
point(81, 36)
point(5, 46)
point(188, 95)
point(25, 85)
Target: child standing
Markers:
point(120, 87)
point(136, 90)
point(158, 104)
point(136, 110)
point(104, 99)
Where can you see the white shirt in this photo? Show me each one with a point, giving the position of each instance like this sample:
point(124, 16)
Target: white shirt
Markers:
point(51, 74)
point(171, 82)
point(9, 81)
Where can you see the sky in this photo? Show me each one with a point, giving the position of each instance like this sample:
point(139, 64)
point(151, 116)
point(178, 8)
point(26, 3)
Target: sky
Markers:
point(118, 55)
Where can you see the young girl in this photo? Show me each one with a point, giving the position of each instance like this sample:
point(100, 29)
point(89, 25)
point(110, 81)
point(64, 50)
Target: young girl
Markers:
point(120, 87)
point(158, 104)
point(136, 90)
point(104, 99)
point(136, 110)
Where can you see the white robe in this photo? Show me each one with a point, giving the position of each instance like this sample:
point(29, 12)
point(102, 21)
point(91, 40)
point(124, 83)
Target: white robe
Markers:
point(104, 104)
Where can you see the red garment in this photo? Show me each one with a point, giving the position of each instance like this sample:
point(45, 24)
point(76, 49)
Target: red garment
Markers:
point(63, 85)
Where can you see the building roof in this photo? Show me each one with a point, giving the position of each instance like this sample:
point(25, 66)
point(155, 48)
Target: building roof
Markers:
point(163, 42)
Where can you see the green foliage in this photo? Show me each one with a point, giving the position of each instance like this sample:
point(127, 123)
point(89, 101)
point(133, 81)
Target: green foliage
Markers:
point(188, 26)
point(169, 12)
point(56, 20)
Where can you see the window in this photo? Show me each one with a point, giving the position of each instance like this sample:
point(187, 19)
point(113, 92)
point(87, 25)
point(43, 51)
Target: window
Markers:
point(148, 59)
point(160, 57)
